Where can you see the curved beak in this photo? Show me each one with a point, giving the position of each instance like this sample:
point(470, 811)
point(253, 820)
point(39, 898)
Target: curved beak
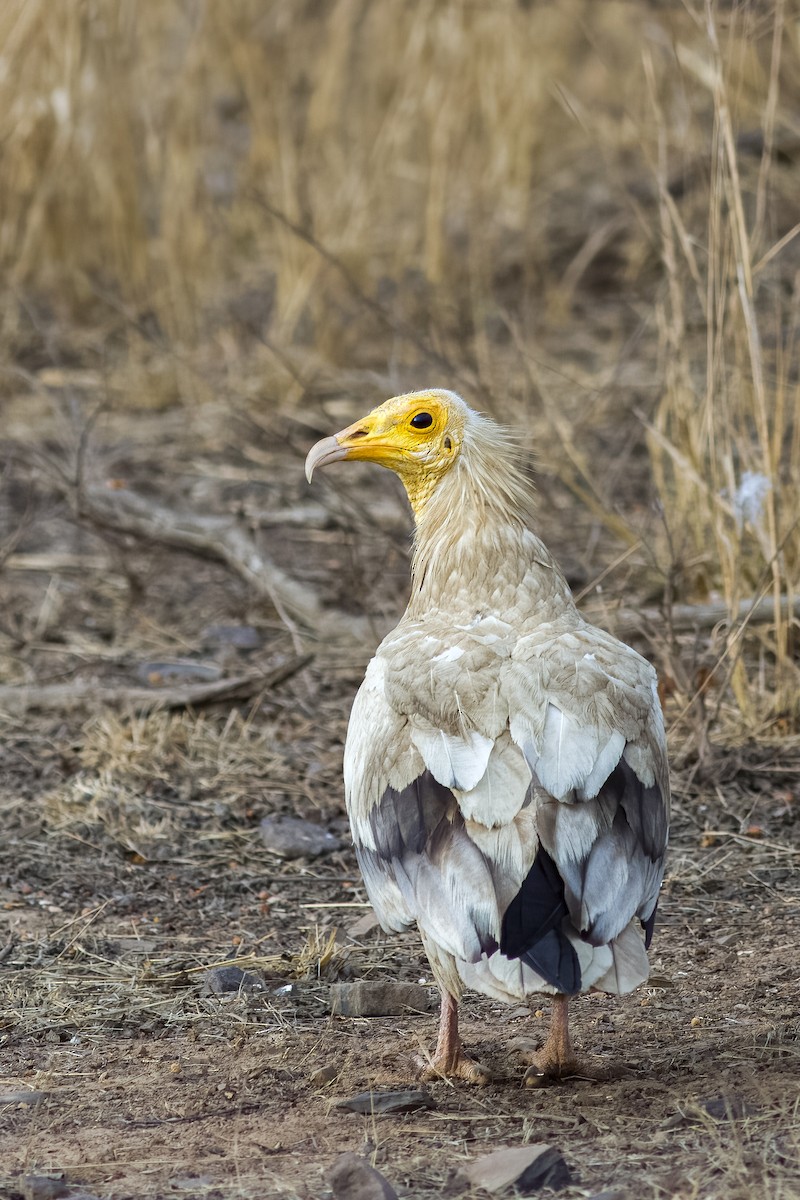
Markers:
point(369, 440)
point(326, 451)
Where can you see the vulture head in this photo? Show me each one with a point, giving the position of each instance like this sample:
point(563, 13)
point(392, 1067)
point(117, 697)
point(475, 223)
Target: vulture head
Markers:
point(418, 436)
point(421, 436)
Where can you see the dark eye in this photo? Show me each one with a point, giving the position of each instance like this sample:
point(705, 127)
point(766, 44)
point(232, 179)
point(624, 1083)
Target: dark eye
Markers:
point(422, 420)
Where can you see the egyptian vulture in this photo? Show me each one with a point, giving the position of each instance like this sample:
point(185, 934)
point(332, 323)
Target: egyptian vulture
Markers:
point(505, 766)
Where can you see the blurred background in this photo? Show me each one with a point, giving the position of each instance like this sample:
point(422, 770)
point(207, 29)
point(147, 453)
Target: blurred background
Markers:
point(227, 224)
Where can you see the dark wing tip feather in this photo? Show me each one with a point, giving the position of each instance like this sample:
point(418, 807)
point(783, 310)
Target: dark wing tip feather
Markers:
point(554, 958)
point(648, 926)
point(531, 929)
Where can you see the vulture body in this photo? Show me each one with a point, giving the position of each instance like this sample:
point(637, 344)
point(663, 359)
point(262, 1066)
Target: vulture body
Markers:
point(505, 766)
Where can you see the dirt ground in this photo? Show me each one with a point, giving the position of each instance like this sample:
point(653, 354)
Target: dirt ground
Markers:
point(132, 862)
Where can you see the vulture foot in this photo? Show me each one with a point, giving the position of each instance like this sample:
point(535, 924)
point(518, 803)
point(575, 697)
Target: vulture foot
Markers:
point(449, 1060)
point(547, 1068)
point(454, 1066)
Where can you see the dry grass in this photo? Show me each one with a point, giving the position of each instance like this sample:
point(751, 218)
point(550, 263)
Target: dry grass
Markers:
point(725, 439)
point(553, 208)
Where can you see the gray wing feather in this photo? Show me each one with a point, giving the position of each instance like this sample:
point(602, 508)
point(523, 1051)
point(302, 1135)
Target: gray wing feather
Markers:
point(422, 866)
point(579, 714)
point(609, 851)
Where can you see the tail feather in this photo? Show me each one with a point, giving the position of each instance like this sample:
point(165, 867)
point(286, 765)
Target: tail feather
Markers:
point(532, 927)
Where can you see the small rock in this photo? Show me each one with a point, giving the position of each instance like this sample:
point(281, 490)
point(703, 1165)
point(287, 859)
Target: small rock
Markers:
point(524, 1044)
point(42, 1187)
point(323, 1075)
point(292, 837)
point(378, 998)
point(528, 1168)
point(24, 1096)
point(382, 1103)
point(219, 980)
point(352, 1178)
point(156, 674)
point(728, 1108)
point(363, 925)
point(241, 637)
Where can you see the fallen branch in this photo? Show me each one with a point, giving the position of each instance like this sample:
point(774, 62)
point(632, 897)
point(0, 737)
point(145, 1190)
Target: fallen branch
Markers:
point(223, 539)
point(687, 617)
point(83, 693)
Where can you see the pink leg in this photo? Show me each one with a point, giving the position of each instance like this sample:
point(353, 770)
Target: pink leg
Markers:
point(449, 1060)
point(557, 1059)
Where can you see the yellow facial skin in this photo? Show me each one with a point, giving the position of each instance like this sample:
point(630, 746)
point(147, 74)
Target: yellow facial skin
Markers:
point(398, 435)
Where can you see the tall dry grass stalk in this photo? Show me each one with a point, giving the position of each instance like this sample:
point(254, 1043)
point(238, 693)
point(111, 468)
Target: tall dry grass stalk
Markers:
point(423, 144)
point(253, 196)
point(725, 439)
point(135, 138)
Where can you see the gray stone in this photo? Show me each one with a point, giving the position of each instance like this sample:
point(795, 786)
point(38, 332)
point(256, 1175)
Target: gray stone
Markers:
point(292, 837)
point(23, 1096)
point(378, 998)
point(219, 980)
point(728, 1108)
point(156, 674)
point(527, 1168)
point(375, 1104)
point(42, 1187)
point(352, 1178)
point(241, 637)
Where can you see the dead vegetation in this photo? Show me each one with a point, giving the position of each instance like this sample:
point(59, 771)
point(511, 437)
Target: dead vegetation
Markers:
point(226, 230)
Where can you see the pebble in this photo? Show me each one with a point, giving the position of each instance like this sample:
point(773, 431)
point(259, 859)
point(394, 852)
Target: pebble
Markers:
point(363, 925)
point(378, 998)
point(383, 1103)
point(323, 1075)
point(156, 674)
point(24, 1096)
point(352, 1178)
point(527, 1168)
point(219, 980)
point(42, 1187)
point(293, 837)
point(728, 1108)
point(241, 637)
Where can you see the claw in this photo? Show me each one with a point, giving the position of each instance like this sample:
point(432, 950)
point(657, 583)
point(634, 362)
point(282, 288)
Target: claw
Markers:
point(556, 1060)
point(456, 1066)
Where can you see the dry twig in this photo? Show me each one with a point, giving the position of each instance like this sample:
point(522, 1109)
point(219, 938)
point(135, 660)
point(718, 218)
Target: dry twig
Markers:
point(220, 538)
point(81, 693)
point(704, 616)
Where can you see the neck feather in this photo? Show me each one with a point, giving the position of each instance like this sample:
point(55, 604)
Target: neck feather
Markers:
point(473, 528)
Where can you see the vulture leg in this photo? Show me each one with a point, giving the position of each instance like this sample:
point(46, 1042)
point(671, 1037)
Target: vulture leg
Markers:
point(556, 1057)
point(449, 1060)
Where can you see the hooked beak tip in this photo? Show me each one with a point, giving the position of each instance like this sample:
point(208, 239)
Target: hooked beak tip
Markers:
point(326, 451)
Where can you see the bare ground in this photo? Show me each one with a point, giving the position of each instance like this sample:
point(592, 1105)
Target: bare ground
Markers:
point(132, 861)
